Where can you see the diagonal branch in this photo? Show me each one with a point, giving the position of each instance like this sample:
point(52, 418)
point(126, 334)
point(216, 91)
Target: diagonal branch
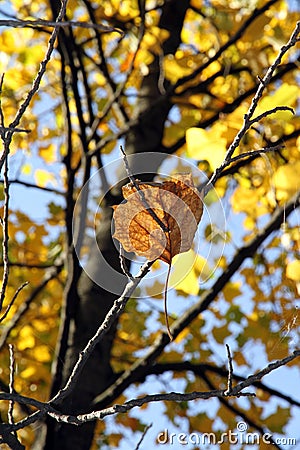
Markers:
point(239, 413)
point(19, 23)
point(50, 275)
point(256, 13)
point(248, 117)
point(201, 369)
point(116, 309)
point(143, 364)
point(7, 135)
point(47, 408)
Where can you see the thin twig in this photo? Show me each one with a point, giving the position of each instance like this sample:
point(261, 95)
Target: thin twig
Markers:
point(4, 223)
point(146, 429)
point(35, 85)
point(246, 156)
point(271, 111)
point(13, 300)
point(165, 302)
point(34, 186)
point(47, 408)
point(248, 121)
point(118, 91)
point(141, 193)
point(230, 371)
point(116, 309)
point(123, 263)
point(254, 153)
point(19, 23)
point(1, 110)
point(11, 383)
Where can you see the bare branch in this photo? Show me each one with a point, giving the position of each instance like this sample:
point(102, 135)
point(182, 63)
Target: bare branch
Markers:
point(9, 439)
point(50, 275)
point(116, 309)
point(248, 121)
point(11, 383)
point(4, 224)
point(13, 300)
point(201, 369)
point(143, 436)
point(46, 408)
point(230, 371)
point(123, 264)
point(140, 367)
point(19, 23)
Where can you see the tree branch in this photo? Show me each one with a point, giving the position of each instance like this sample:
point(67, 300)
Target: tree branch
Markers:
point(7, 136)
point(20, 23)
point(142, 365)
point(25, 305)
point(47, 408)
point(248, 117)
point(201, 369)
point(116, 309)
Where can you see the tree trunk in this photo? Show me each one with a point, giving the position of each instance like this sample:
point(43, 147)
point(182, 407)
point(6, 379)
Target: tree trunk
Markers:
point(91, 303)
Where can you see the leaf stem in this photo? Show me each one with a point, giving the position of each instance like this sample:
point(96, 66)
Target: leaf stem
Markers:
point(165, 302)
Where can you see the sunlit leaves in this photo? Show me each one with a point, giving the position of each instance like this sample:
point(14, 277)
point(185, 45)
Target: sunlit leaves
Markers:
point(254, 306)
point(188, 269)
point(287, 180)
point(293, 270)
point(209, 145)
point(43, 177)
point(285, 95)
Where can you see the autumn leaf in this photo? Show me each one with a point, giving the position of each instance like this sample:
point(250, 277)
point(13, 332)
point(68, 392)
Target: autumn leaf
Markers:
point(159, 220)
point(42, 177)
point(176, 203)
point(207, 145)
point(293, 270)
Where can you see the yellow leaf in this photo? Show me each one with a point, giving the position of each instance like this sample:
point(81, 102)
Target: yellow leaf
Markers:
point(42, 353)
point(257, 29)
point(48, 153)
point(28, 372)
point(293, 270)
point(207, 145)
point(286, 95)
point(232, 290)
point(40, 325)
point(26, 169)
point(249, 223)
point(187, 268)
point(174, 69)
point(286, 180)
point(124, 335)
point(182, 335)
point(244, 200)
point(27, 339)
point(42, 177)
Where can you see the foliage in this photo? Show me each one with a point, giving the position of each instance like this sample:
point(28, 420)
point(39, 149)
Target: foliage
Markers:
point(94, 96)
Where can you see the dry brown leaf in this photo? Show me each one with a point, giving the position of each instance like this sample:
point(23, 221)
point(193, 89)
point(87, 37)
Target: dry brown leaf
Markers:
point(159, 220)
point(176, 203)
